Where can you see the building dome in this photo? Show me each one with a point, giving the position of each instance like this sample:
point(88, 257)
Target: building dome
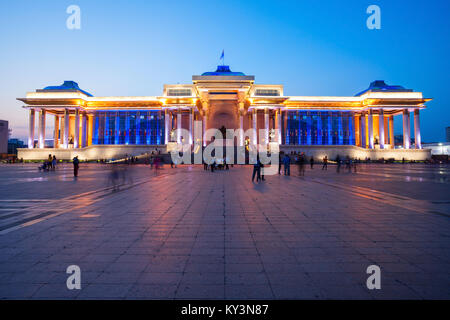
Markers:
point(381, 86)
point(66, 86)
point(223, 71)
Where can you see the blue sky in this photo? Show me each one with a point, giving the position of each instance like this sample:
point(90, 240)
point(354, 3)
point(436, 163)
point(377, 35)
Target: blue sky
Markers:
point(311, 47)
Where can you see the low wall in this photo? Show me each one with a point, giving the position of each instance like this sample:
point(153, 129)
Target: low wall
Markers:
point(108, 152)
point(354, 152)
point(97, 152)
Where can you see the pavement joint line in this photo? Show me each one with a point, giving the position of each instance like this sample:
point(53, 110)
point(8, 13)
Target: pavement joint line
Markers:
point(5, 229)
point(375, 198)
point(399, 177)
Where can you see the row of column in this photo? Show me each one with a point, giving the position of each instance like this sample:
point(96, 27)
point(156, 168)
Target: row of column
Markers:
point(277, 126)
point(177, 115)
point(61, 124)
point(64, 128)
point(382, 130)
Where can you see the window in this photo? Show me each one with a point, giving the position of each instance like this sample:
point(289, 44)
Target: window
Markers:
point(179, 92)
point(267, 92)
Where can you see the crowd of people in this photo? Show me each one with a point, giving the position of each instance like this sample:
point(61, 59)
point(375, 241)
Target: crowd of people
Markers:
point(49, 164)
point(156, 161)
point(217, 164)
point(301, 161)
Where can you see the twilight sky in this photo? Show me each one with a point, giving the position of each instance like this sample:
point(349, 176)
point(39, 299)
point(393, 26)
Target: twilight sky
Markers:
point(311, 47)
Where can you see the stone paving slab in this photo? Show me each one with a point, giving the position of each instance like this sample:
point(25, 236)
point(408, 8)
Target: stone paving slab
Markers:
point(190, 234)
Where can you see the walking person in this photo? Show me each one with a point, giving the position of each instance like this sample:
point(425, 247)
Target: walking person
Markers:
point(256, 171)
point(325, 163)
point(156, 164)
point(348, 164)
point(311, 163)
point(301, 164)
point(261, 171)
point(76, 166)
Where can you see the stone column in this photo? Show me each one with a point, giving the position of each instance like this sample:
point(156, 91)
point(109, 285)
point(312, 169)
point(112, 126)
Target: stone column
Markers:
point(31, 129)
point(179, 125)
point(56, 133)
point(241, 128)
point(61, 128)
point(406, 130)
point(370, 127)
point(266, 126)
point(255, 126)
point(42, 129)
point(285, 131)
point(417, 137)
point(84, 131)
point(381, 128)
point(191, 125)
point(362, 134)
point(357, 128)
point(76, 138)
point(90, 128)
point(241, 124)
point(386, 130)
point(278, 125)
point(205, 121)
point(66, 129)
point(280, 129)
point(391, 132)
point(166, 126)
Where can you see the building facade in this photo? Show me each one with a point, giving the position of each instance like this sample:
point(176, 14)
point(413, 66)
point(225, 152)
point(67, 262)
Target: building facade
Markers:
point(4, 136)
point(105, 127)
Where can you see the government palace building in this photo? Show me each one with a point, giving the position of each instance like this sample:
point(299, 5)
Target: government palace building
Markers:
point(359, 126)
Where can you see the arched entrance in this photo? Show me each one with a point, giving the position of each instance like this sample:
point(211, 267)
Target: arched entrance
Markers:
point(223, 114)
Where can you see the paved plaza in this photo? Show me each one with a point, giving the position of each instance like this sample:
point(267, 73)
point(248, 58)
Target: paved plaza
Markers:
point(187, 233)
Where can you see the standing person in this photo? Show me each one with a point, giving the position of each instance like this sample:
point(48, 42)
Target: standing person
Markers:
point(338, 162)
point(76, 166)
point(50, 162)
point(280, 161)
point(54, 162)
point(354, 165)
point(287, 165)
point(325, 163)
point(311, 163)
